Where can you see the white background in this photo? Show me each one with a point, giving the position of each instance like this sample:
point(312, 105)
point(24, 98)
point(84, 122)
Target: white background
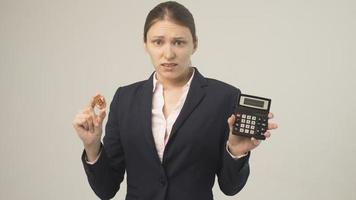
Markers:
point(54, 55)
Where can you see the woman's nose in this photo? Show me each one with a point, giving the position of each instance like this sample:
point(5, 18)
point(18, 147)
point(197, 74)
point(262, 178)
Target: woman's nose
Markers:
point(169, 52)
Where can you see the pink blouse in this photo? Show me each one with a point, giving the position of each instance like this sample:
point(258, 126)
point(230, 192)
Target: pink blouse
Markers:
point(161, 127)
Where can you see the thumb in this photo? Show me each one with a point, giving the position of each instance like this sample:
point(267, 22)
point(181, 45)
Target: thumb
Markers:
point(100, 117)
point(102, 114)
point(231, 121)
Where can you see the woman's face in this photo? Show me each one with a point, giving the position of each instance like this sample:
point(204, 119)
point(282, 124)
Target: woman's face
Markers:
point(170, 46)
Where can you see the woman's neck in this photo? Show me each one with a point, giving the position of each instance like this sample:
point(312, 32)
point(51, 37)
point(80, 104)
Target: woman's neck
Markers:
point(177, 83)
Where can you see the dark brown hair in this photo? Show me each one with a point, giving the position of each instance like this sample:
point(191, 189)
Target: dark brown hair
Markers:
point(173, 11)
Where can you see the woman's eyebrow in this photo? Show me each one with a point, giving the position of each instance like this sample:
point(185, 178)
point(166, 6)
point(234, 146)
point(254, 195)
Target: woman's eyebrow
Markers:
point(176, 38)
point(158, 36)
point(179, 38)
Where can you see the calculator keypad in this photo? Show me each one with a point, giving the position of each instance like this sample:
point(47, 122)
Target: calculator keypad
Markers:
point(247, 124)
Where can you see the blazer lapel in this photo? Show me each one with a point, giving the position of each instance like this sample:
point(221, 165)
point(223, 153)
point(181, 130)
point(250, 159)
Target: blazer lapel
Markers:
point(145, 109)
point(195, 95)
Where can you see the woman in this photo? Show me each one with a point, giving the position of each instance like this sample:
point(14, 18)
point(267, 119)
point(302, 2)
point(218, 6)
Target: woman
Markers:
point(170, 133)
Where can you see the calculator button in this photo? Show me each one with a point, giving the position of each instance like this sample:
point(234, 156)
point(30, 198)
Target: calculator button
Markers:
point(241, 130)
point(246, 130)
point(243, 116)
point(236, 129)
point(263, 130)
point(243, 120)
point(248, 116)
point(253, 122)
point(252, 132)
point(252, 127)
point(242, 126)
point(247, 126)
point(253, 117)
point(248, 121)
point(263, 124)
point(264, 120)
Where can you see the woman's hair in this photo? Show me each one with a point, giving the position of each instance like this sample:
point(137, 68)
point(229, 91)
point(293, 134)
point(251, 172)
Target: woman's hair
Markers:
point(172, 11)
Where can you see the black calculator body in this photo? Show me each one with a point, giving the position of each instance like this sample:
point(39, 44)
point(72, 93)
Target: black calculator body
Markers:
point(251, 118)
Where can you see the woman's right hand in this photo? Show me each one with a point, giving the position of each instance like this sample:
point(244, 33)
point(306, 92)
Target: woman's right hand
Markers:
point(88, 126)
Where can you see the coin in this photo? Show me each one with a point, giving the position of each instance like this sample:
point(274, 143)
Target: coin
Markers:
point(99, 101)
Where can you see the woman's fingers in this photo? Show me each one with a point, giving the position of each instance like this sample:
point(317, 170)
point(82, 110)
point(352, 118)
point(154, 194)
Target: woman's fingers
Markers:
point(267, 134)
point(102, 114)
point(231, 121)
point(88, 119)
point(89, 109)
point(270, 115)
point(86, 125)
point(272, 125)
point(90, 123)
point(78, 122)
point(100, 117)
point(84, 121)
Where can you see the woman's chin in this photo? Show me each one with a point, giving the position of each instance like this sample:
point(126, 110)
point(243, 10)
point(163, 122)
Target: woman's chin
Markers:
point(169, 72)
point(169, 76)
point(171, 69)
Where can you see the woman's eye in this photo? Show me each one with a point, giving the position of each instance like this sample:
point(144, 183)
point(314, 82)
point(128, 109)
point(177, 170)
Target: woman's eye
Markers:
point(157, 42)
point(179, 43)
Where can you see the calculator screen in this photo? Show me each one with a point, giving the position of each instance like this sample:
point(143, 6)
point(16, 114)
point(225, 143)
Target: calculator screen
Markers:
point(254, 102)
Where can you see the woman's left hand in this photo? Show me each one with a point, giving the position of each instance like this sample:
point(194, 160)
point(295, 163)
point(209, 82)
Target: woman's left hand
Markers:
point(240, 145)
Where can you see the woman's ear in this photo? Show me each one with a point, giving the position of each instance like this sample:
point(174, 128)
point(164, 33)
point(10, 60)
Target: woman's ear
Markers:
point(145, 46)
point(195, 46)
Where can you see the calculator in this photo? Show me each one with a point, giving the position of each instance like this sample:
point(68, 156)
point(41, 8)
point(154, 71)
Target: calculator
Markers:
point(251, 118)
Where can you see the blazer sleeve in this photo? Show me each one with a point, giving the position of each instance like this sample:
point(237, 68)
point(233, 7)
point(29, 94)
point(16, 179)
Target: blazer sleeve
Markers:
point(232, 173)
point(106, 175)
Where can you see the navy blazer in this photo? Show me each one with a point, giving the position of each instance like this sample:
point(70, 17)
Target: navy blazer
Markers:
point(194, 154)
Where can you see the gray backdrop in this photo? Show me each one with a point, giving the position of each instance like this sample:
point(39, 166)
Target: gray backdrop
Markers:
point(54, 55)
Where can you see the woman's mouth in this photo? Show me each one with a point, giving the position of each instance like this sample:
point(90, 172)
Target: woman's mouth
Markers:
point(169, 65)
